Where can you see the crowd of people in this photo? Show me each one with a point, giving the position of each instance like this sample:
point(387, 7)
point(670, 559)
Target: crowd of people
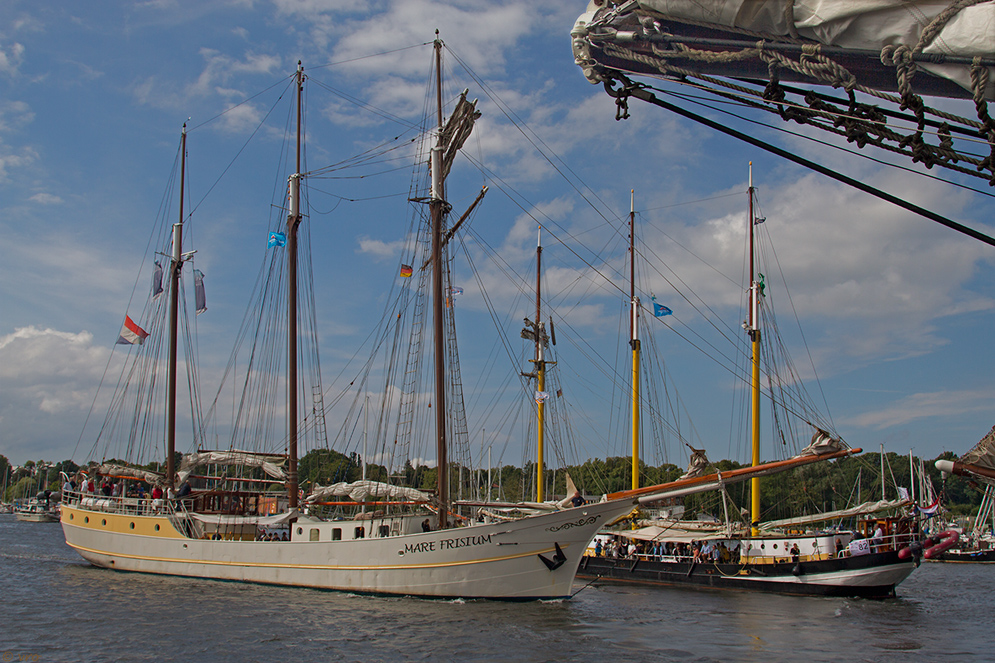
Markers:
point(620, 547)
point(152, 498)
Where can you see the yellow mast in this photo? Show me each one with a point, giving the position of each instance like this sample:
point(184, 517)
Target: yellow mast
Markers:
point(754, 332)
point(634, 340)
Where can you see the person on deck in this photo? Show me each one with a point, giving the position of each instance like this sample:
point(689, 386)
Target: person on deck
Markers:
point(877, 538)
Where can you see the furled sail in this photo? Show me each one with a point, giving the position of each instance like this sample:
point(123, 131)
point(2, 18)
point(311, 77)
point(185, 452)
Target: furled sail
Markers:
point(697, 464)
point(361, 491)
point(880, 44)
point(822, 443)
point(269, 464)
point(978, 463)
point(983, 453)
point(859, 510)
point(126, 472)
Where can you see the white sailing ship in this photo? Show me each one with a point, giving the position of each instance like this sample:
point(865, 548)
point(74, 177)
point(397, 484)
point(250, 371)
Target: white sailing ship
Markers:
point(219, 534)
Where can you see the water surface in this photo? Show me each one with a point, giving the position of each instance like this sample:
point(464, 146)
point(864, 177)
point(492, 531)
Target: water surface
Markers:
point(56, 607)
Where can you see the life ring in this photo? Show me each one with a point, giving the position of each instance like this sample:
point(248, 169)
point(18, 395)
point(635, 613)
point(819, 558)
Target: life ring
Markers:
point(940, 543)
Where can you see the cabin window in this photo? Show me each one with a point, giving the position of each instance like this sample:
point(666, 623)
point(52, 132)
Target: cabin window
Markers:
point(337, 534)
point(313, 534)
point(300, 530)
point(360, 533)
point(384, 530)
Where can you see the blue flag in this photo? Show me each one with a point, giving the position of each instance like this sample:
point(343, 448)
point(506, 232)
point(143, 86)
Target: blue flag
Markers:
point(659, 309)
point(276, 239)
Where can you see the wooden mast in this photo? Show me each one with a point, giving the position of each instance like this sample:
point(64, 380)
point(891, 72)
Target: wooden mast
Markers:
point(436, 206)
point(634, 339)
point(176, 266)
point(754, 332)
point(293, 222)
point(540, 380)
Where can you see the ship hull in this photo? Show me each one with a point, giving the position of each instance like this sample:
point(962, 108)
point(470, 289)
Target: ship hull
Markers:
point(967, 556)
point(871, 576)
point(493, 561)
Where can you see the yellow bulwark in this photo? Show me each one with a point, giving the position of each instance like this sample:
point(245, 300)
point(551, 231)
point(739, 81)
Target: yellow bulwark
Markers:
point(120, 523)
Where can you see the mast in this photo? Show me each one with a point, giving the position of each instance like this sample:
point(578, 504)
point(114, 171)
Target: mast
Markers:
point(293, 222)
point(436, 206)
point(634, 338)
point(754, 331)
point(882, 473)
point(540, 378)
point(175, 268)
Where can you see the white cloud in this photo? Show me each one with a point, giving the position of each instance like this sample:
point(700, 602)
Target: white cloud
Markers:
point(15, 115)
point(380, 248)
point(48, 379)
point(10, 58)
point(942, 404)
point(213, 80)
point(46, 199)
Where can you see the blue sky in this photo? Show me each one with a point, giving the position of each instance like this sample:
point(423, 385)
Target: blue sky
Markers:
point(897, 310)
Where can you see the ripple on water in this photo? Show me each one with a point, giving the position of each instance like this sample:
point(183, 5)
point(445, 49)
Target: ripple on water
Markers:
point(57, 606)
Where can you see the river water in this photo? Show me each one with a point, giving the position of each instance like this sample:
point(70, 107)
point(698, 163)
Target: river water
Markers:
point(56, 607)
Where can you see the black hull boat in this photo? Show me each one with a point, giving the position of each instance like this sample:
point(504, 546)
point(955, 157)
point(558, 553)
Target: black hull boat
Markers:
point(874, 575)
point(967, 556)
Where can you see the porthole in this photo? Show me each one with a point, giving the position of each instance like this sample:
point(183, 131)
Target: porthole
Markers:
point(70, 516)
point(132, 525)
point(103, 521)
point(157, 528)
point(300, 530)
point(86, 519)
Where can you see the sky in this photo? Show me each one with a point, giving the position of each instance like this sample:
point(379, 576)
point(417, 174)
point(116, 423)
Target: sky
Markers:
point(897, 311)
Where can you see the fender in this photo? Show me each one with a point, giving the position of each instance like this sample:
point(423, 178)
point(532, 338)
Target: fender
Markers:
point(940, 543)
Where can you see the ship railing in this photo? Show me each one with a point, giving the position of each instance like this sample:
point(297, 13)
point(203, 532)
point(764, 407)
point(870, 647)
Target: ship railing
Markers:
point(128, 505)
point(886, 543)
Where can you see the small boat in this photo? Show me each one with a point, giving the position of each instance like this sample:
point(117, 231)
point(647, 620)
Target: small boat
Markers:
point(36, 512)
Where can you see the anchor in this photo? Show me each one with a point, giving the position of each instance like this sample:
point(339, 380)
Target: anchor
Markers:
point(557, 561)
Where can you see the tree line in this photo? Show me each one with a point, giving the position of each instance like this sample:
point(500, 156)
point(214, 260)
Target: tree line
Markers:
point(810, 489)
